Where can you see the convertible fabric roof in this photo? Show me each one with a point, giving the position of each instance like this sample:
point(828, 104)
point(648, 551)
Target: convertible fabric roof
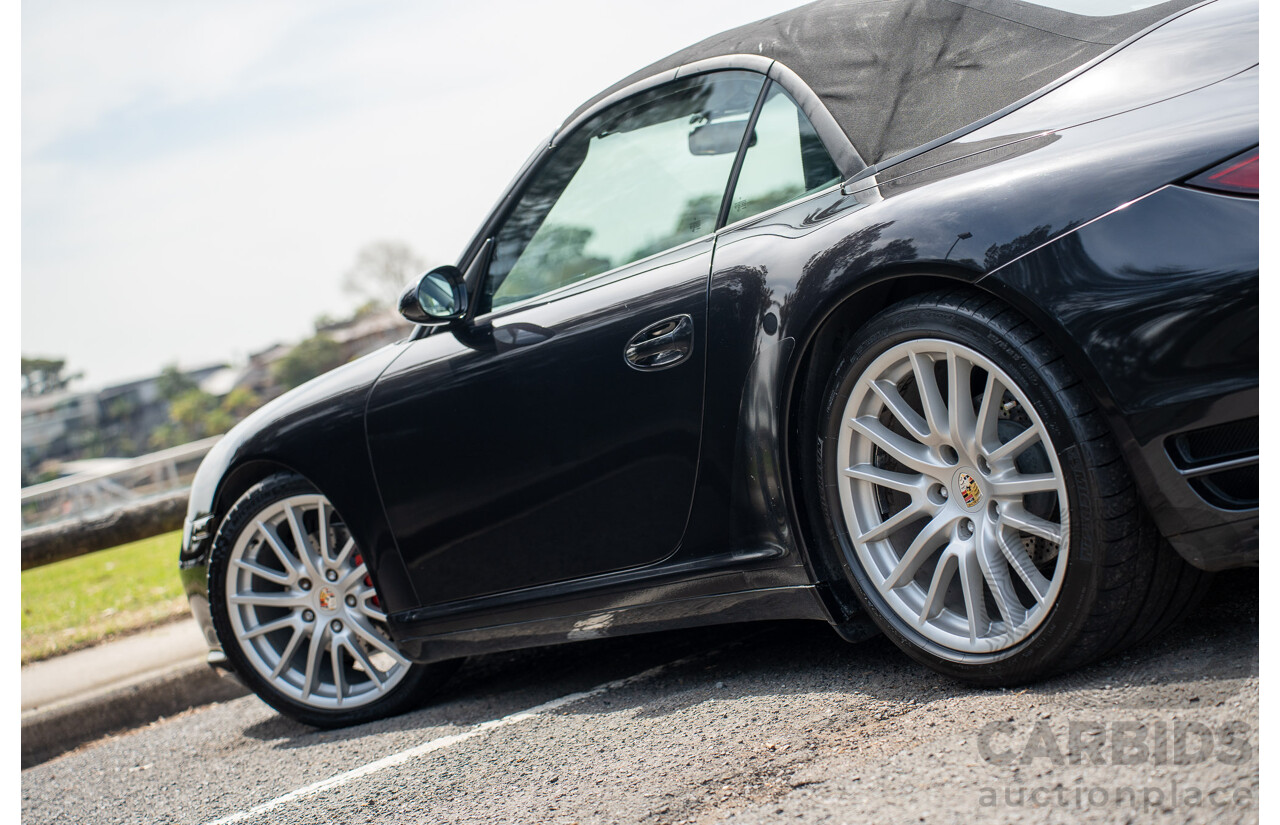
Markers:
point(896, 74)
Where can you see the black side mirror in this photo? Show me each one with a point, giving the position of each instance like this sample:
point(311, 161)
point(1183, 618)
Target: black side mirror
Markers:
point(437, 298)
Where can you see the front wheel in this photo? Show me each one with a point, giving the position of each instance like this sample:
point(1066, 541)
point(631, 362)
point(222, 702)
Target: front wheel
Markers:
point(296, 612)
point(975, 501)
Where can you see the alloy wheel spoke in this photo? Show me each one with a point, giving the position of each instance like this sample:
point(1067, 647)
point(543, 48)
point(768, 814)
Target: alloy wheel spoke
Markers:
point(930, 537)
point(881, 477)
point(1021, 564)
point(995, 569)
point(935, 408)
point(288, 559)
point(345, 552)
point(896, 404)
point(271, 627)
point(314, 659)
point(1017, 485)
point(989, 412)
point(961, 420)
point(357, 653)
point(377, 641)
point(891, 524)
point(975, 606)
point(906, 452)
point(306, 552)
point(322, 531)
point(283, 599)
point(273, 576)
point(286, 656)
point(335, 662)
point(368, 609)
point(1017, 517)
point(352, 576)
point(934, 600)
point(1013, 448)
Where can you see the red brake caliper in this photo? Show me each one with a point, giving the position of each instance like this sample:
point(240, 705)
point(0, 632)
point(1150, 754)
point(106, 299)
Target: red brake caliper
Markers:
point(368, 580)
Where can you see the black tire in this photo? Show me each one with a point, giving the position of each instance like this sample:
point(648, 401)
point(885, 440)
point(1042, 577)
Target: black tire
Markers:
point(409, 682)
point(1120, 585)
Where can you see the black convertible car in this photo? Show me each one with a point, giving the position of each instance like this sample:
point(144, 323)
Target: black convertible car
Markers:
point(936, 317)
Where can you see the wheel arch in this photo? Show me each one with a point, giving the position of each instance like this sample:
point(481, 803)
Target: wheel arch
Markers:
point(830, 329)
point(236, 482)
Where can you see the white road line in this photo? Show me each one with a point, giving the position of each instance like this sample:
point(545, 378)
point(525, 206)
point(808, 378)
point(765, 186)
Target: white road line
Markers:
point(440, 743)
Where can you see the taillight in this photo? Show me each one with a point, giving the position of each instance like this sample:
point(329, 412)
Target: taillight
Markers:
point(1238, 176)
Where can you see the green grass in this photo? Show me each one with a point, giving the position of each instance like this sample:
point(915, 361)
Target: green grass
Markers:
point(81, 601)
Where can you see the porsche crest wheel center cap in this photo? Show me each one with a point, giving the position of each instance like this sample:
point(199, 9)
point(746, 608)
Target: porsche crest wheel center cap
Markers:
point(967, 492)
point(327, 598)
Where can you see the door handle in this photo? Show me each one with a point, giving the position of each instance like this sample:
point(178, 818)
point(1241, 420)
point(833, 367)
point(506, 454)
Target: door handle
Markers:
point(661, 345)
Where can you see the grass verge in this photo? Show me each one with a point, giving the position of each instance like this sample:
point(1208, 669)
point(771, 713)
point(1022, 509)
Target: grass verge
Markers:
point(78, 602)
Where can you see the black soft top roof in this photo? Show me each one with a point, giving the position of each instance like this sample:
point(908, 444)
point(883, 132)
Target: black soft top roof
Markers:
point(896, 74)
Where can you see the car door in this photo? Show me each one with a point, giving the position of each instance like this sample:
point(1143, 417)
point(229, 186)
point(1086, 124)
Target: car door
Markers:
point(555, 435)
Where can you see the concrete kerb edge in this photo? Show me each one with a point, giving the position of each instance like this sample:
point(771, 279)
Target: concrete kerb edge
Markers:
point(49, 732)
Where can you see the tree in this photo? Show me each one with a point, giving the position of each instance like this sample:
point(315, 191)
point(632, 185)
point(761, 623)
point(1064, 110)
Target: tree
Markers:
point(240, 402)
point(555, 257)
point(172, 383)
point(41, 376)
point(382, 270)
point(192, 415)
point(196, 414)
point(366, 309)
point(315, 355)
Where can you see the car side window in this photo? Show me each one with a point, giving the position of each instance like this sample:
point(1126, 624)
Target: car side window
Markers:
point(786, 159)
point(642, 176)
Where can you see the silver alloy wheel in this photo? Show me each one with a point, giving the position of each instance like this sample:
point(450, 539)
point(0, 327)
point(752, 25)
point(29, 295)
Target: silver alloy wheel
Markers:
point(303, 611)
point(953, 496)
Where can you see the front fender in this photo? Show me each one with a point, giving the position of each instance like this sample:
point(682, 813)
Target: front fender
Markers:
point(316, 430)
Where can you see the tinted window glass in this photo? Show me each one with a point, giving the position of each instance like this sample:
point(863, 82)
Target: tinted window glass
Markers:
point(786, 160)
point(642, 176)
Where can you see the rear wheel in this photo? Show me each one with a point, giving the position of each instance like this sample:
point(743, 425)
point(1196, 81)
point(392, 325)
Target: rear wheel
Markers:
point(297, 614)
point(975, 501)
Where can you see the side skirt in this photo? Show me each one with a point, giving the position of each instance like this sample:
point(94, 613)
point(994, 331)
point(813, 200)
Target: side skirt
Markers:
point(678, 601)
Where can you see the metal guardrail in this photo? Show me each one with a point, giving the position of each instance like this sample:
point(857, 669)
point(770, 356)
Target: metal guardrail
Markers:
point(94, 495)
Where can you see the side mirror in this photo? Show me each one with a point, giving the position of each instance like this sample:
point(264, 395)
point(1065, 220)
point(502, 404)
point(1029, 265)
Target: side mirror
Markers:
point(437, 298)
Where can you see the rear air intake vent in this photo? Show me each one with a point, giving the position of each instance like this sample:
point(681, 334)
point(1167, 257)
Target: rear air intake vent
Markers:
point(1196, 448)
point(1231, 489)
point(1220, 463)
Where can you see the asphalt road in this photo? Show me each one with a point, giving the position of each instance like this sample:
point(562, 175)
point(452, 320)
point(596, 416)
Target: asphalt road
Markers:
point(749, 723)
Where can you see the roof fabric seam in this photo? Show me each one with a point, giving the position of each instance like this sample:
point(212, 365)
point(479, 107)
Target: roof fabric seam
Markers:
point(1029, 26)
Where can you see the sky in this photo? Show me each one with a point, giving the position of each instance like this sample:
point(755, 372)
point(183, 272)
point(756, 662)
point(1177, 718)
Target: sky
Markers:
point(197, 177)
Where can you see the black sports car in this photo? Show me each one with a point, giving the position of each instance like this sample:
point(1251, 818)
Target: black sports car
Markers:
point(936, 317)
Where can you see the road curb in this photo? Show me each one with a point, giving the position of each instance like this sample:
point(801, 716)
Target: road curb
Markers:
point(56, 729)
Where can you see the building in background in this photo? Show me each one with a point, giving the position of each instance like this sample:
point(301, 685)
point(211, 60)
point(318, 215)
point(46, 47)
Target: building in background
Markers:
point(118, 421)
